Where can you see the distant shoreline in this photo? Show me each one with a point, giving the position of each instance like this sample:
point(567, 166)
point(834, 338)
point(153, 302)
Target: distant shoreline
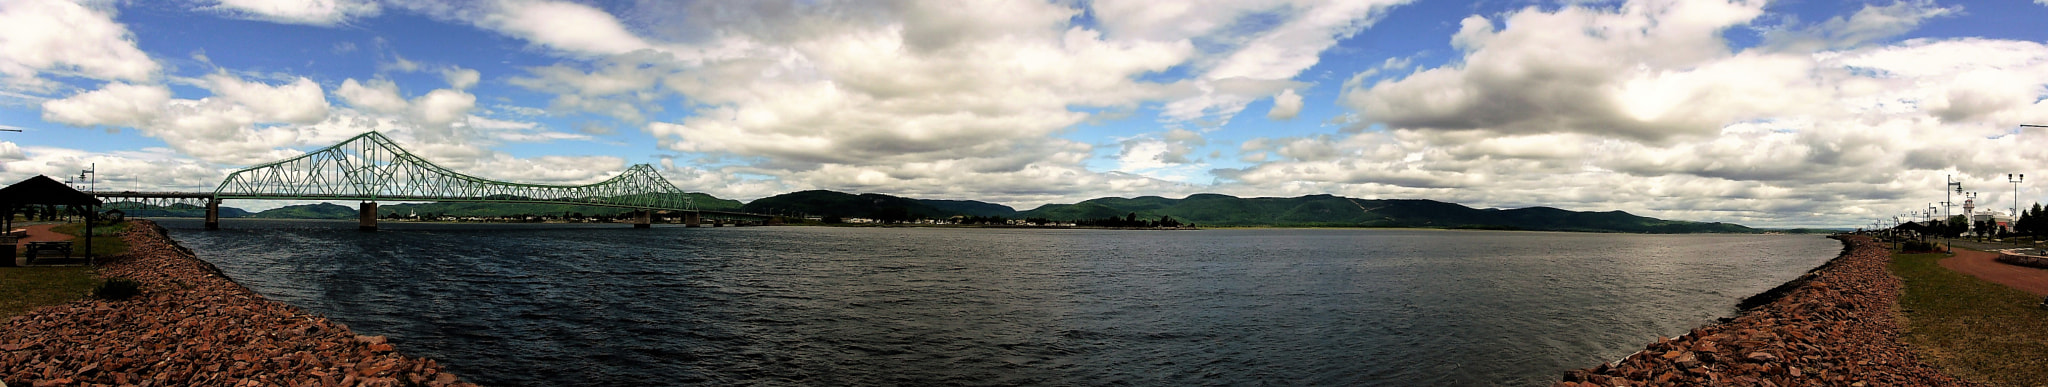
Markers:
point(1021, 227)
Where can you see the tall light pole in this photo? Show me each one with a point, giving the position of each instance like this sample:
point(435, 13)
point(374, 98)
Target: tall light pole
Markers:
point(2015, 179)
point(1894, 233)
point(1949, 191)
point(89, 175)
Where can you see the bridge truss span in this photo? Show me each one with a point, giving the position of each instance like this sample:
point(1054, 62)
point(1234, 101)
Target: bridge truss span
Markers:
point(370, 167)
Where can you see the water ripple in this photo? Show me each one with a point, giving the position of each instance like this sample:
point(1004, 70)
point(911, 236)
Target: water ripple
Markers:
point(610, 305)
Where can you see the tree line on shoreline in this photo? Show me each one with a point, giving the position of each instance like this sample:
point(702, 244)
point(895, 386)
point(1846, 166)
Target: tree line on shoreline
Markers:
point(1214, 210)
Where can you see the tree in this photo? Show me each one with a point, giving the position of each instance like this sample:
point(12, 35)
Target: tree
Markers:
point(2029, 222)
point(1955, 226)
point(2037, 226)
point(1168, 222)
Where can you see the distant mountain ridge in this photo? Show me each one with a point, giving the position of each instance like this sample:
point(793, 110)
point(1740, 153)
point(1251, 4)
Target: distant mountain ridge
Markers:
point(872, 206)
point(1226, 210)
point(1337, 211)
point(702, 201)
point(1197, 209)
point(308, 211)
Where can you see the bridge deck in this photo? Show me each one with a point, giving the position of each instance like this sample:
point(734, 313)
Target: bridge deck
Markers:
point(400, 198)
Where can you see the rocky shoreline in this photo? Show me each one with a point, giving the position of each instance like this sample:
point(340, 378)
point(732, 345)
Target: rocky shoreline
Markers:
point(192, 326)
point(1833, 326)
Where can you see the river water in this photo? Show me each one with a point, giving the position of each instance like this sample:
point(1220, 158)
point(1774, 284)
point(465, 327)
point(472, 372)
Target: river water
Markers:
point(524, 304)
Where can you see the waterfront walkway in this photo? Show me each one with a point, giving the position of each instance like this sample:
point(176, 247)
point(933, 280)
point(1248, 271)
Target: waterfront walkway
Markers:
point(1983, 265)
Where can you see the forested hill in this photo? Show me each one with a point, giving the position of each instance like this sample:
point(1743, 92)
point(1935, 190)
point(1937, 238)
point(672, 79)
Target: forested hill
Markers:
point(872, 206)
point(1199, 210)
point(1335, 211)
point(1225, 210)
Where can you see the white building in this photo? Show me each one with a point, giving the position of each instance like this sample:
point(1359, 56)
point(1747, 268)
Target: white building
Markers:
point(1998, 219)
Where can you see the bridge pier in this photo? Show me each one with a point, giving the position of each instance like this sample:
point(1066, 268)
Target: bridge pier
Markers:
point(693, 219)
point(366, 217)
point(213, 214)
point(643, 219)
point(717, 222)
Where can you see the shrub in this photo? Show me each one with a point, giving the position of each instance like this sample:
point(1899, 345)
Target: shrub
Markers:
point(1913, 246)
point(117, 289)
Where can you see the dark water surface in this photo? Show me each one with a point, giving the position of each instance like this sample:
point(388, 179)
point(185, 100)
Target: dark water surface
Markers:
point(611, 305)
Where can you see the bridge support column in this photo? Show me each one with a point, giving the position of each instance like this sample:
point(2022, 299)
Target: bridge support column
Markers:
point(366, 217)
point(213, 214)
point(718, 223)
point(643, 219)
point(693, 219)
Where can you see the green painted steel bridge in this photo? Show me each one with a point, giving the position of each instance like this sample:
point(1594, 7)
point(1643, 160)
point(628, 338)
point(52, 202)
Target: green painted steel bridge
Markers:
point(371, 168)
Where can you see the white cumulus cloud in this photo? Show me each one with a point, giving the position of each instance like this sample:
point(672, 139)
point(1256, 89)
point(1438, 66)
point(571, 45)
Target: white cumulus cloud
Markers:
point(308, 12)
point(39, 36)
point(117, 104)
point(1286, 105)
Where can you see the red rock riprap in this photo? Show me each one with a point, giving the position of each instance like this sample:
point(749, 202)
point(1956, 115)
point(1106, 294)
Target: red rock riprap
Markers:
point(1834, 327)
point(192, 326)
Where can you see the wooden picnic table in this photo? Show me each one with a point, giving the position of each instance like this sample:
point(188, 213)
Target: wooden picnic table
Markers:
point(51, 246)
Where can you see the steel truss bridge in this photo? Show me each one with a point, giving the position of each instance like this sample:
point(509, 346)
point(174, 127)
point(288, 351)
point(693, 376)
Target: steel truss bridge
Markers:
point(371, 168)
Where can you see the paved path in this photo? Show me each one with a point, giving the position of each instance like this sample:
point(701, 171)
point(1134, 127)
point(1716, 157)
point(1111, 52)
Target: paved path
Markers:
point(1981, 264)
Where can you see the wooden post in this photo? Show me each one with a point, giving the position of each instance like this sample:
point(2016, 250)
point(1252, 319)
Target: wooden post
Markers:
point(91, 211)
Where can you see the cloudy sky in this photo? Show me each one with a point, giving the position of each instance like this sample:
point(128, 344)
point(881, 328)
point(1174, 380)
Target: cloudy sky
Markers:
point(1788, 113)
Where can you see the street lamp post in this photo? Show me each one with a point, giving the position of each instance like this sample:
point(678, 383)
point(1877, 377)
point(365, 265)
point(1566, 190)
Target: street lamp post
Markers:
point(1927, 221)
point(1894, 233)
point(2015, 180)
point(1953, 187)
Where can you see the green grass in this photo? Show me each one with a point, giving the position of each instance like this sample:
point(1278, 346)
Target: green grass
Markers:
point(1972, 328)
point(106, 239)
point(25, 288)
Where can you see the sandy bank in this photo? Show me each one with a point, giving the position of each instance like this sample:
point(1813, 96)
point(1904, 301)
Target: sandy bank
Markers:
point(192, 326)
point(1833, 326)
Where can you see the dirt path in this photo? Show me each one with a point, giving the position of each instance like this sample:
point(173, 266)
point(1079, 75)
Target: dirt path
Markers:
point(42, 233)
point(1980, 264)
point(37, 233)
